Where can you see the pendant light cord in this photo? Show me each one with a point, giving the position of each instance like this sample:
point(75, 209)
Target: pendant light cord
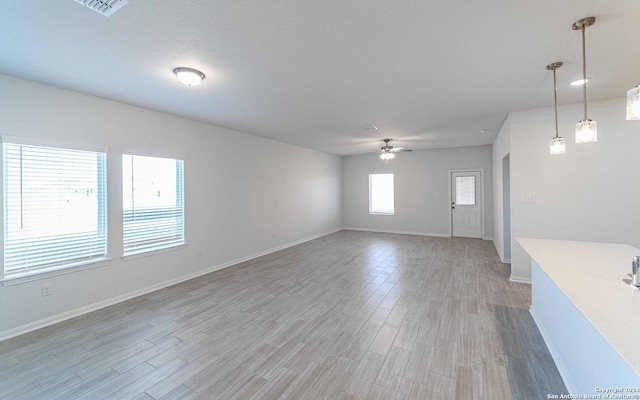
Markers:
point(555, 98)
point(584, 72)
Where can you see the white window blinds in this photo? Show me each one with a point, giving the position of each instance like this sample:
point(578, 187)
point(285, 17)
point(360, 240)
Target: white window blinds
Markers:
point(54, 207)
point(153, 203)
point(466, 190)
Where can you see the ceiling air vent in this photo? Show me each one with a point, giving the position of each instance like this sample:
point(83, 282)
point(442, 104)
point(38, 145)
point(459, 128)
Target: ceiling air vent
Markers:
point(104, 7)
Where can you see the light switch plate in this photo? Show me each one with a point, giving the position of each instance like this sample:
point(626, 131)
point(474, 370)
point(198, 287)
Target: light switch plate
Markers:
point(526, 198)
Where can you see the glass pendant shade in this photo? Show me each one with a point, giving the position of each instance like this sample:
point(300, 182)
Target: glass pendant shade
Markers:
point(557, 145)
point(633, 103)
point(586, 131)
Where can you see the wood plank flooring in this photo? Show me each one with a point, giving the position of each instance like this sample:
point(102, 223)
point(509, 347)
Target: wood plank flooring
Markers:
point(352, 315)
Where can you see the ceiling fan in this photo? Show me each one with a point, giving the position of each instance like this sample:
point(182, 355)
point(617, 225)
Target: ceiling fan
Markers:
point(387, 151)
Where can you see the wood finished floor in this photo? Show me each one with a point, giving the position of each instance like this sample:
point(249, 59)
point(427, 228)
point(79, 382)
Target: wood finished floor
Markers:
point(352, 315)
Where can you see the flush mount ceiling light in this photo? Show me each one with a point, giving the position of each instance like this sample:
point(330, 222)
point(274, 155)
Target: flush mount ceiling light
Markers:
point(586, 129)
point(633, 103)
point(557, 143)
point(189, 76)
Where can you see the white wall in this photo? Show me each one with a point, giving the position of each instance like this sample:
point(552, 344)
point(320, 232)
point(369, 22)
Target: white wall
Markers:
point(506, 207)
point(244, 195)
point(421, 179)
point(499, 150)
point(591, 193)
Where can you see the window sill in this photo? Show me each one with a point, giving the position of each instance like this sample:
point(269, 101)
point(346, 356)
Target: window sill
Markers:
point(381, 213)
point(38, 275)
point(149, 253)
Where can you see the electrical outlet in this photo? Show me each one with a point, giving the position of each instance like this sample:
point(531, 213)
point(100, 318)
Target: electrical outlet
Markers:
point(47, 289)
point(526, 198)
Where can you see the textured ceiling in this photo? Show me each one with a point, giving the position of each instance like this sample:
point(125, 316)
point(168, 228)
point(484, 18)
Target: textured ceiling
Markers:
point(428, 73)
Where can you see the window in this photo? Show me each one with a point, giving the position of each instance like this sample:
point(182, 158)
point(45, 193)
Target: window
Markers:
point(466, 190)
point(55, 212)
point(153, 203)
point(381, 194)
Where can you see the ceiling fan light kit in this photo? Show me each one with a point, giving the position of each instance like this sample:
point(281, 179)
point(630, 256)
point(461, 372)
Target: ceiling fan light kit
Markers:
point(387, 152)
point(386, 156)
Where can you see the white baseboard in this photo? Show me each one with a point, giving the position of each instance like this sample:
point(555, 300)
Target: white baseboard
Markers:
point(32, 326)
point(398, 232)
point(520, 279)
point(502, 259)
point(406, 232)
point(562, 369)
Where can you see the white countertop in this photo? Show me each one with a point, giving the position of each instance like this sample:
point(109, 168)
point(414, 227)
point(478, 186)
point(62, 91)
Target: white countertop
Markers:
point(591, 276)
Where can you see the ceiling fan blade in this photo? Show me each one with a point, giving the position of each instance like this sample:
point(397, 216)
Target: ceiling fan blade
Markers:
point(400, 149)
point(372, 152)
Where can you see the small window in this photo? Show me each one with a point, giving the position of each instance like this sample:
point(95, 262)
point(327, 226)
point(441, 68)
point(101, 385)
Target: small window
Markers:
point(466, 190)
point(153, 203)
point(55, 213)
point(381, 194)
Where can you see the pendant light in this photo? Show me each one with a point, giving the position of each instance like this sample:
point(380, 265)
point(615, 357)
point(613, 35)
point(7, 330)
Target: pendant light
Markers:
point(557, 142)
point(633, 103)
point(586, 129)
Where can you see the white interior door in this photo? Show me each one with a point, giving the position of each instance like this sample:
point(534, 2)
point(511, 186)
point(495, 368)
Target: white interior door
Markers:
point(466, 204)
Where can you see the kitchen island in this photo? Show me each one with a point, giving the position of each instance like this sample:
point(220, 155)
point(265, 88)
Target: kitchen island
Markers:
point(587, 313)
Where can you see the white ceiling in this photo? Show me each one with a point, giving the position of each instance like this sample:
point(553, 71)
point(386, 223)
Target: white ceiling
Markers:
point(428, 73)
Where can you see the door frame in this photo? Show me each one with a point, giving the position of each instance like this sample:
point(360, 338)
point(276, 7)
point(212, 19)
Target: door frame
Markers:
point(482, 218)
